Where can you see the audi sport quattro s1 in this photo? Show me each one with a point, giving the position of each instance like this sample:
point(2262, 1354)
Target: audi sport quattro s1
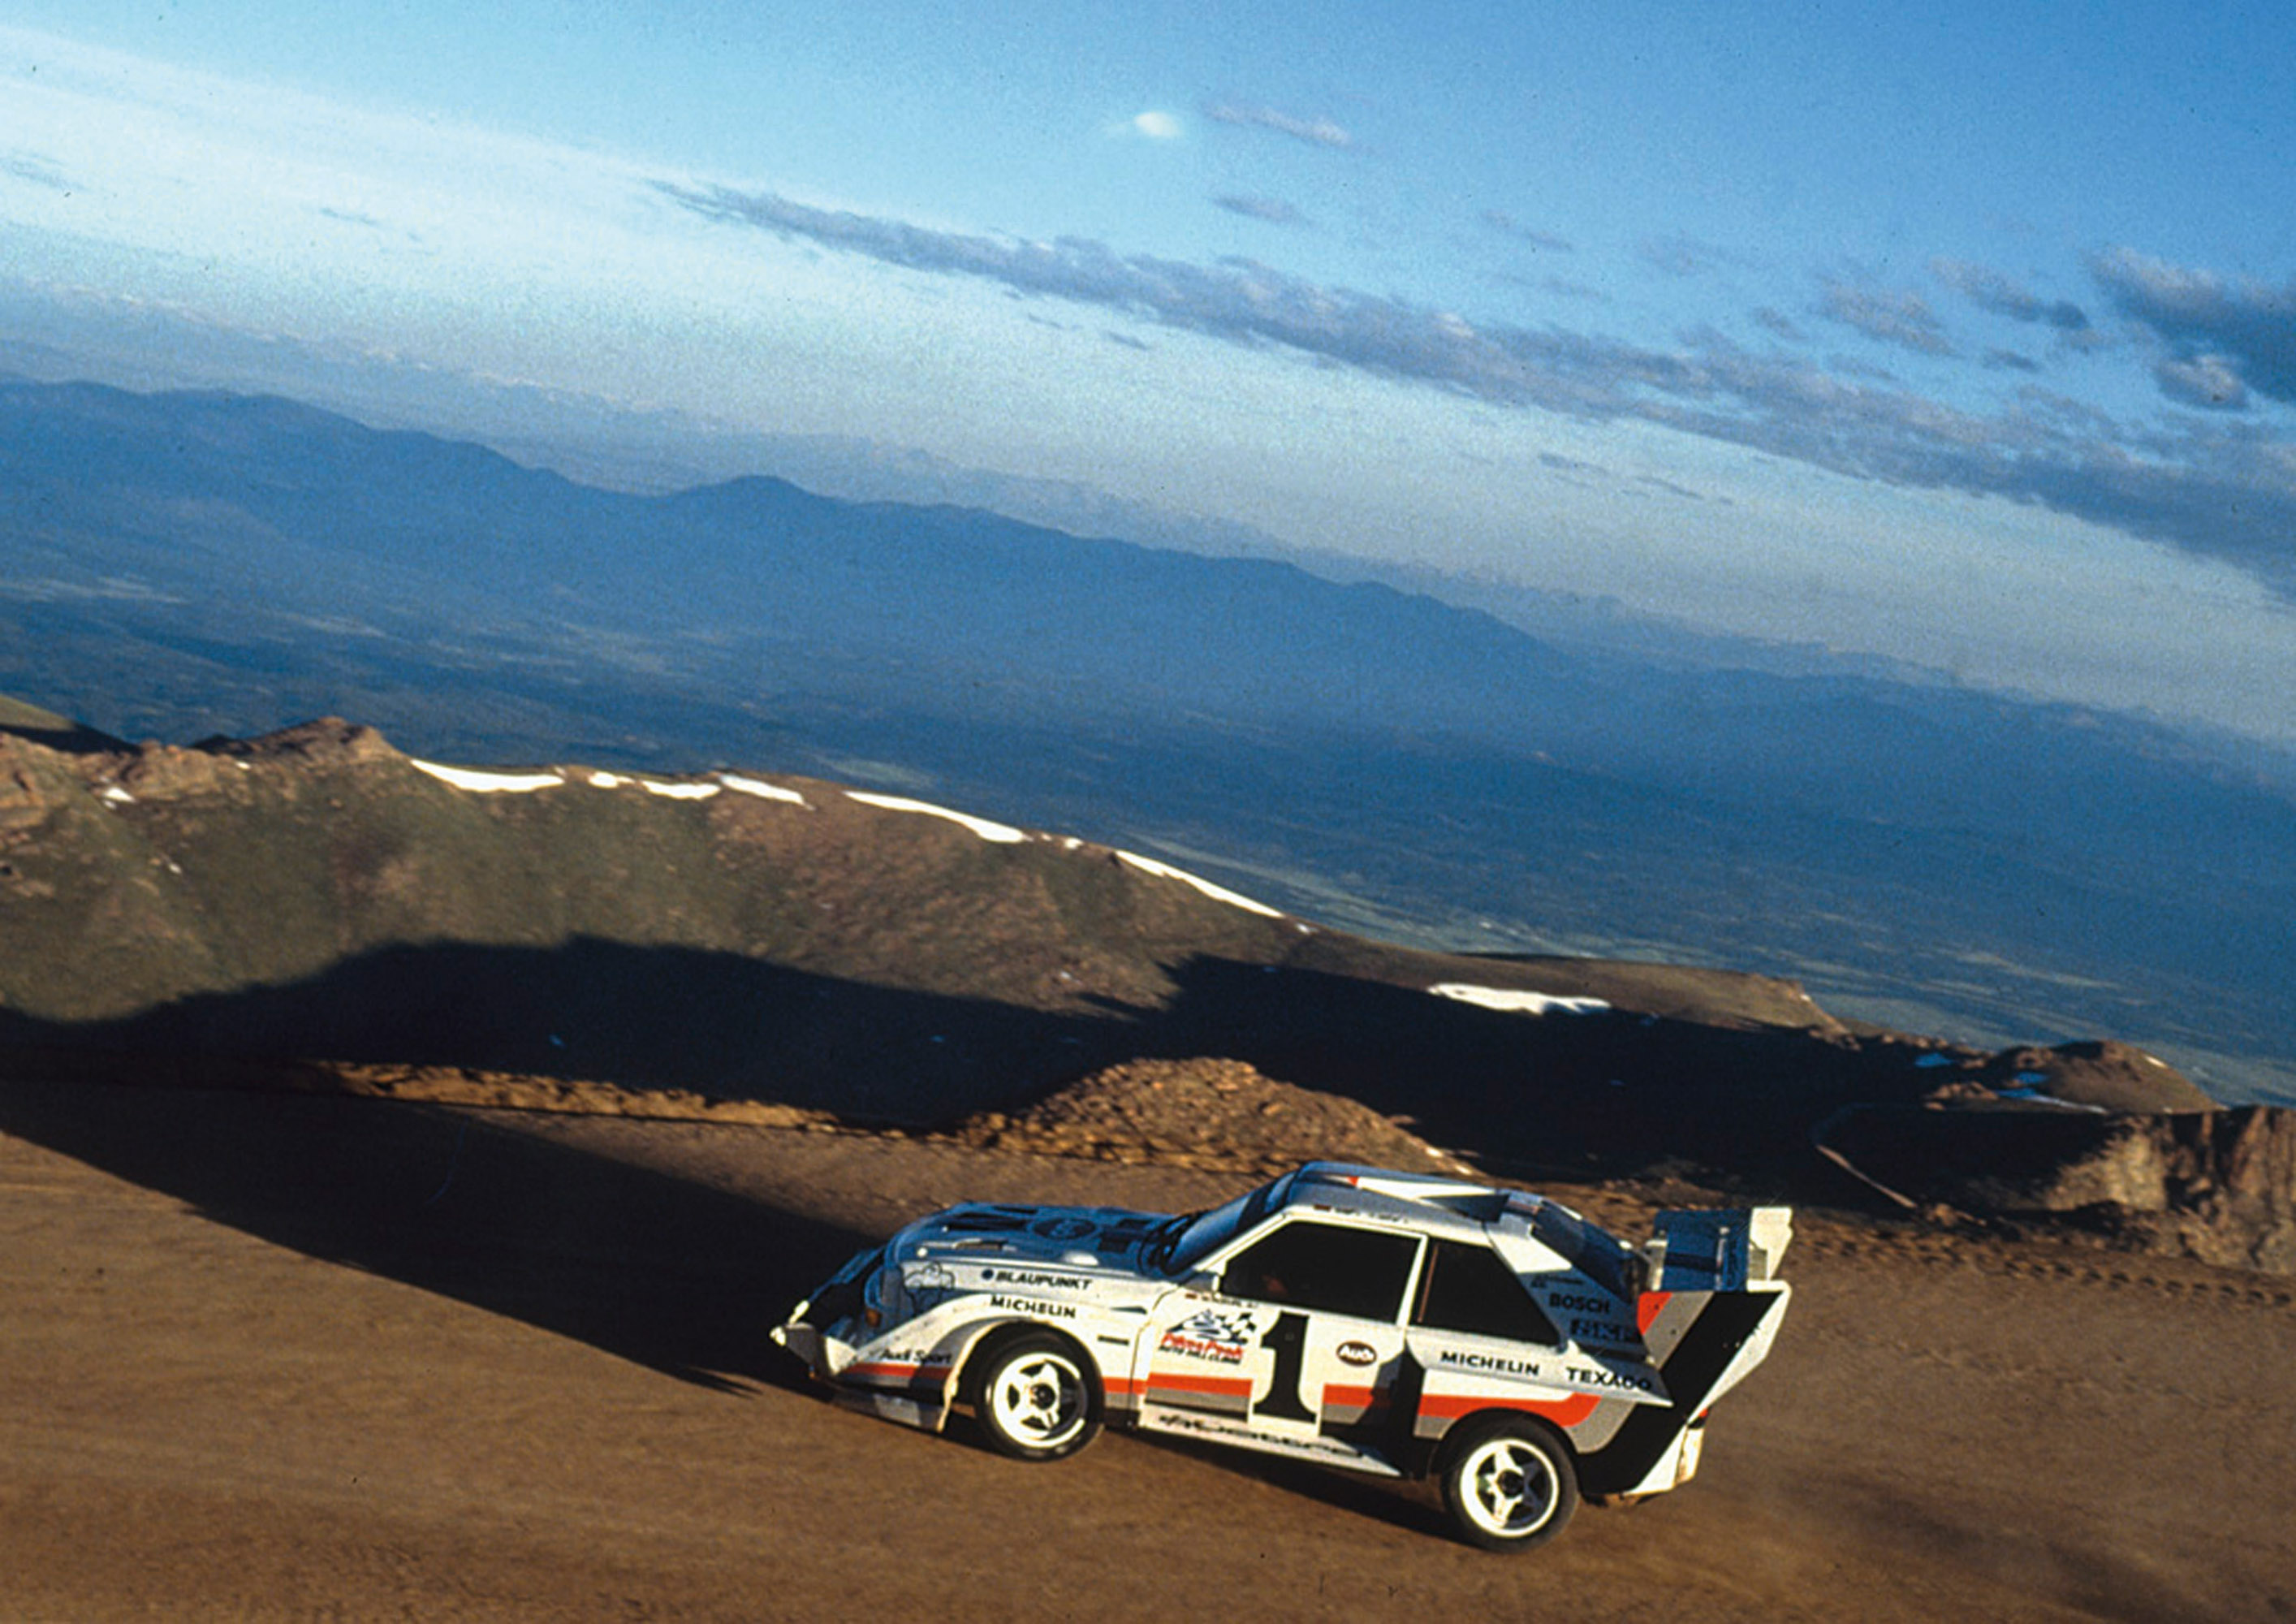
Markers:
point(1397, 1323)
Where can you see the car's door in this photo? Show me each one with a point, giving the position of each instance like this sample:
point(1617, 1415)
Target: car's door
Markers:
point(1291, 1338)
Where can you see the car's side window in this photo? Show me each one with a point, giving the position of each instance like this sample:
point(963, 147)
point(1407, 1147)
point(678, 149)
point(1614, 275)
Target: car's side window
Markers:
point(1327, 1267)
point(1471, 1289)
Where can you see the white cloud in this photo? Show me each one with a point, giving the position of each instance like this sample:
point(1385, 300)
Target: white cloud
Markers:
point(1893, 317)
point(2208, 382)
point(2225, 335)
point(1274, 210)
point(1156, 126)
point(409, 242)
point(1316, 132)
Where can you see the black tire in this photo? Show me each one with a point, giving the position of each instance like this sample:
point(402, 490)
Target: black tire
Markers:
point(1508, 1483)
point(1037, 1396)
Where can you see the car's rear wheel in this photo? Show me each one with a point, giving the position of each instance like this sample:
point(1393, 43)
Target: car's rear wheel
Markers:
point(1509, 1484)
point(1037, 1396)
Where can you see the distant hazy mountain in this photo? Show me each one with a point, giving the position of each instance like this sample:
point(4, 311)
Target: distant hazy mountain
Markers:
point(178, 564)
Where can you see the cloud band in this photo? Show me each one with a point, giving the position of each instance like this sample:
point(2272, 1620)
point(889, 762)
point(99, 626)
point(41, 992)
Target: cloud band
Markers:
point(2219, 494)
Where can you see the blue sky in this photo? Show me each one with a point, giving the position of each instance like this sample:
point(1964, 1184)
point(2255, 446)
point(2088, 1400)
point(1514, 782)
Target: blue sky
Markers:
point(1965, 336)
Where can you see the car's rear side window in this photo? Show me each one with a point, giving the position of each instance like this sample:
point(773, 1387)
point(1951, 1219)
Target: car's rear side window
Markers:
point(1327, 1267)
point(1471, 1289)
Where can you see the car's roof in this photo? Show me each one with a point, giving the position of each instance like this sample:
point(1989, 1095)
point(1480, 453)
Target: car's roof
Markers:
point(1458, 1208)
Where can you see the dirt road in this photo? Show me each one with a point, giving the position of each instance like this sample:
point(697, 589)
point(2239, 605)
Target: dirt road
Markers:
point(280, 1358)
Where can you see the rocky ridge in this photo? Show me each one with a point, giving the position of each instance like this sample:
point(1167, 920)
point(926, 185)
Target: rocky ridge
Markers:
point(315, 910)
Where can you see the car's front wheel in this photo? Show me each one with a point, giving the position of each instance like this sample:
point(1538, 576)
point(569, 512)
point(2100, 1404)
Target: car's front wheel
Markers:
point(1509, 1484)
point(1038, 1397)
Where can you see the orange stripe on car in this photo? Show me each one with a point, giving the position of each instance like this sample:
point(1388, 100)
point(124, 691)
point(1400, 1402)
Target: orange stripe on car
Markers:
point(1563, 1412)
point(1234, 1387)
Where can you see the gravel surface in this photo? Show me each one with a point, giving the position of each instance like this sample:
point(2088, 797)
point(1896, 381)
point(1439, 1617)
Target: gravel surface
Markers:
point(294, 1357)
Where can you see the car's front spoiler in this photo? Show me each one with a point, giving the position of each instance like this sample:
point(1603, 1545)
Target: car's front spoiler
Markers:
point(804, 1341)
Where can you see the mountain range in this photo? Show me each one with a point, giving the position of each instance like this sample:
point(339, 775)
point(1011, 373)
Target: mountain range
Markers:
point(1362, 756)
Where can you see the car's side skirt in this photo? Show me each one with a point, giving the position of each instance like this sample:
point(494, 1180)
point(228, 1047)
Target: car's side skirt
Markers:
point(1219, 1429)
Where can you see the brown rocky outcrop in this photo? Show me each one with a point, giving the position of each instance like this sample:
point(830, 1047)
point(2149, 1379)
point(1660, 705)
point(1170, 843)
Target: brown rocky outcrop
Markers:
point(2218, 1186)
point(153, 771)
point(22, 804)
point(328, 741)
point(161, 772)
point(1206, 1113)
point(2105, 1072)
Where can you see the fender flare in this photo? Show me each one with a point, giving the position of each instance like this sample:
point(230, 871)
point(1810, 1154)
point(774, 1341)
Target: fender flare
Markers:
point(981, 1336)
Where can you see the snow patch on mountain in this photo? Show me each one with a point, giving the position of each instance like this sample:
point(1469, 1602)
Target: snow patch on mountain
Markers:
point(1164, 871)
point(1004, 835)
point(759, 788)
point(487, 784)
point(1517, 1001)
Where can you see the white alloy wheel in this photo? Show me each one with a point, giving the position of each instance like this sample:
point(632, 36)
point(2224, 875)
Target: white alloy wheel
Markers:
point(1511, 1486)
point(1037, 1400)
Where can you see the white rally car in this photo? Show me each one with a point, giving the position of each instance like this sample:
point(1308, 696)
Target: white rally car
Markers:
point(1397, 1323)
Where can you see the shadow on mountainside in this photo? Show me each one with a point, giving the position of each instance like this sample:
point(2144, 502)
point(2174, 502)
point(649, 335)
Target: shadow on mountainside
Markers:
point(1604, 1094)
point(1592, 1095)
point(669, 1273)
point(52, 732)
point(717, 1023)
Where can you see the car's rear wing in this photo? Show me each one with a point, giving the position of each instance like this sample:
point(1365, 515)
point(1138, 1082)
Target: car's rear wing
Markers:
point(1708, 1317)
point(1728, 1249)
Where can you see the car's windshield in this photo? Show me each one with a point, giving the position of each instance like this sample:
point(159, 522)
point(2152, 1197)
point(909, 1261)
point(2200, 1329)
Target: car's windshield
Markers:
point(1197, 1234)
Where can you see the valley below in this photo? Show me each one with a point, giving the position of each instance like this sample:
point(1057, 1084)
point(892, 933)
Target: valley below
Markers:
point(1919, 855)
